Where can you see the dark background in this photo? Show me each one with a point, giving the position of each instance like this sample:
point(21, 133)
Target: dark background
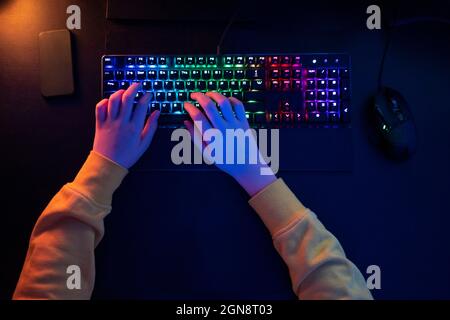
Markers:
point(191, 234)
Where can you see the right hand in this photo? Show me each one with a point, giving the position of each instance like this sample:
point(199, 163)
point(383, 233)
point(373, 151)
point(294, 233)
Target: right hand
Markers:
point(233, 117)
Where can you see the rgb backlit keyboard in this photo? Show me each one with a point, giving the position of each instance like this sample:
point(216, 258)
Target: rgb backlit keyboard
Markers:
point(277, 89)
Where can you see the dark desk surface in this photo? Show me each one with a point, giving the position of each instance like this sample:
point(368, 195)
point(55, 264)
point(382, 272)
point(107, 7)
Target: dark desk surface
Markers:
point(192, 235)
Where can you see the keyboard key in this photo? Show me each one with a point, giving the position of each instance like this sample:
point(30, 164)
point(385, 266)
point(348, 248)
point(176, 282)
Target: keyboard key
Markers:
point(157, 85)
point(275, 73)
point(110, 86)
point(177, 107)
point(162, 74)
point(333, 95)
point(223, 85)
point(332, 84)
point(217, 74)
point(147, 85)
point(297, 73)
point(174, 74)
point(206, 74)
point(333, 106)
point(322, 106)
point(333, 73)
point(119, 75)
point(179, 61)
point(152, 74)
point(237, 95)
point(239, 74)
point(179, 85)
point(275, 84)
point(130, 61)
point(182, 96)
point(285, 60)
point(275, 60)
point(130, 75)
point(201, 85)
point(311, 73)
point(171, 96)
point(258, 84)
point(165, 107)
point(245, 85)
point(344, 73)
point(296, 60)
point(190, 85)
point(321, 73)
point(239, 60)
point(333, 117)
point(184, 74)
point(234, 85)
point(212, 85)
point(141, 61)
point(255, 73)
point(151, 61)
point(321, 95)
point(201, 61)
point(310, 106)
point(250, 60)
point(108, 75)
point(227, 60)
point(310, 95)
point(317, 116)
point(162, 61)
point(261, 60)
point(286, 85)
point(322, 84)
point(196, 74)
point(212, 60)
point(228, 74)
point(160, 96)
point(124, 85)
point(286, 73)
point(253, 96)
point(154, 106)
point(311, 84)
point(190, 61)
point(296, 85)
point(168, 85)
point(141, 74)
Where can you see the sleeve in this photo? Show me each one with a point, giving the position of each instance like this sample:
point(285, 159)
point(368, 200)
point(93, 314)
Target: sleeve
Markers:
point(67, 233)
point(317, 263)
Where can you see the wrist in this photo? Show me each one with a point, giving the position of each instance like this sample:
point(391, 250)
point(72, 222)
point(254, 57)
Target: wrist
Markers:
point(255, 179)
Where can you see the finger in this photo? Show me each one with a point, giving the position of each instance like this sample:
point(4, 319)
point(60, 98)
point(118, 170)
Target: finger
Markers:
point(101, 111)
point(114, 104)
point(210, 109)
point(197, 116)
point(239, 110)
point(128, 100)
point(149, 129)
point(141, 109)
point(199, 144)
point(225, 106)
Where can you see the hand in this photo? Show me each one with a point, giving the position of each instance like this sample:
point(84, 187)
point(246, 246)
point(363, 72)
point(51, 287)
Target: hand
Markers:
point(233, 117)
point(121, 134)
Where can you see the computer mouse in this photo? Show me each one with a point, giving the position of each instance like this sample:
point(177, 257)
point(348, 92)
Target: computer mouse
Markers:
point(393, 124)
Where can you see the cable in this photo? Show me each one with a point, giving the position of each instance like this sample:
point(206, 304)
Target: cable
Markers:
point(227, 27)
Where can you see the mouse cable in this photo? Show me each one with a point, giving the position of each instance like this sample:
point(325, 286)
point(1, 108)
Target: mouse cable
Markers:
point(402, 23)
point(227, 28)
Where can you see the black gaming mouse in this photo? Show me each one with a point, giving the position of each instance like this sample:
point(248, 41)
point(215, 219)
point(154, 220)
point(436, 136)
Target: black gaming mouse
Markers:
point(393, 127)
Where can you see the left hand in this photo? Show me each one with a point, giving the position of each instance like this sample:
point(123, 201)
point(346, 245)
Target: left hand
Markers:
point(121, 134)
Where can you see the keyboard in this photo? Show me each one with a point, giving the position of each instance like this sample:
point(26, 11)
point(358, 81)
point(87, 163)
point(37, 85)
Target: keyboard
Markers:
point(278, 90)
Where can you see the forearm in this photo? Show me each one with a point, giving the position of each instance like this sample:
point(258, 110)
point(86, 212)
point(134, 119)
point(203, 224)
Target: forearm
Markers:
point(317, 263)
point(67, 233)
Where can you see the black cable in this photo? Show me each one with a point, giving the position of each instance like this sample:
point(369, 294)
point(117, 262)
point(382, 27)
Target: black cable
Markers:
point(227, 27)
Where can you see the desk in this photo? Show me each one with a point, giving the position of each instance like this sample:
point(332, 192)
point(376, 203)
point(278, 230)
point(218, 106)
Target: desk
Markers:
point(166, 236)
